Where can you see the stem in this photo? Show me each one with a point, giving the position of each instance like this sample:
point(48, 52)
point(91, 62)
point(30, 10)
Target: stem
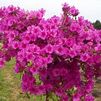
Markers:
point(53, 99)
point(75, 17)
point(20, 76)
point(27, 95)
point(47, 97)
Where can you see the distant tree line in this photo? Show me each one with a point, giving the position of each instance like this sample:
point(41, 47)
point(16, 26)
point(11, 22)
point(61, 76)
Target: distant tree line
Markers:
point(97, 24)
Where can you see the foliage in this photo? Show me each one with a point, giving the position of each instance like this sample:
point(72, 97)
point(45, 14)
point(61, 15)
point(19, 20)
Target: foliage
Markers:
point(97, 24)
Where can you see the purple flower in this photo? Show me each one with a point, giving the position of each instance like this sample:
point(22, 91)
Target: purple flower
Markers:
point(84, 57)
point(89, 98)
point(43, 35)
point(49, 48)
point(1, 62)
point(73, 11)
point(34, 70)
point(62, 51)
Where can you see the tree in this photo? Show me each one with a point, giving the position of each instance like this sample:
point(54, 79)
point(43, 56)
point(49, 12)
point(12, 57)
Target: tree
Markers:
point(97, 24)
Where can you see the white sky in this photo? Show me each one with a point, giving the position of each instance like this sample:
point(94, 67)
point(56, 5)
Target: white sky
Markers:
point(90, 9)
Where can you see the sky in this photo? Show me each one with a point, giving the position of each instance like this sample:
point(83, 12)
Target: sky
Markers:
point(90, 9)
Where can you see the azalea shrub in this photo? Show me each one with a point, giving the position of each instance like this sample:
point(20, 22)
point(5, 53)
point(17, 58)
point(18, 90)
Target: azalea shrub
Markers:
point(58, 56)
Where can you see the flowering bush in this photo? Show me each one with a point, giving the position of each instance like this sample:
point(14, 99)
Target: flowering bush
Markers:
point(59, 55)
